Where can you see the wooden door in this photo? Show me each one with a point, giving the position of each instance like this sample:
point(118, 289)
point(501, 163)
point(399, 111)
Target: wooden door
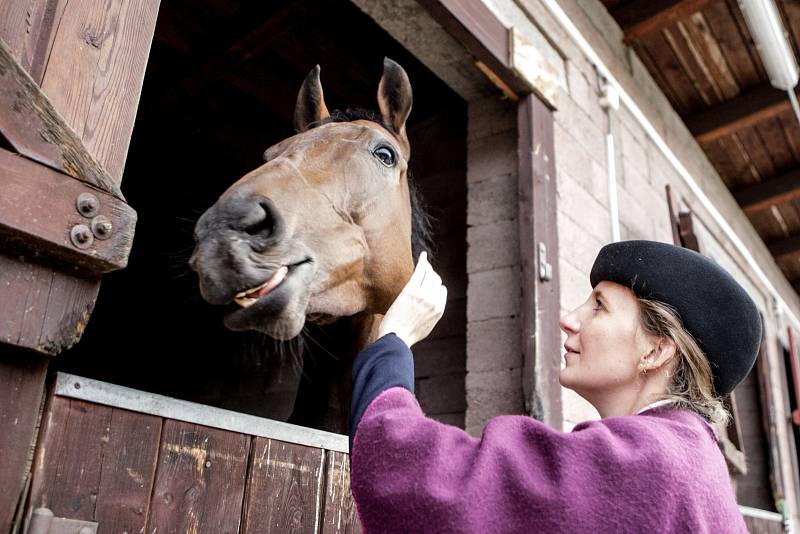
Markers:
point(137, 462)
point(70, 78)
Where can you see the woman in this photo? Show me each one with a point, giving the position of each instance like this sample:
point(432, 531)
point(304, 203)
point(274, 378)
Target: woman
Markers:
point(664, 335)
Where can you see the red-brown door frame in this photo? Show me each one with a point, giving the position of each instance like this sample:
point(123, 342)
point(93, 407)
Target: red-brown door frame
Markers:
point(488, 40)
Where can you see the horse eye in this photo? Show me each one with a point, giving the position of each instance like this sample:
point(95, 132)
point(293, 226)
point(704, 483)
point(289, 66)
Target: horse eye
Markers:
point(386, 155)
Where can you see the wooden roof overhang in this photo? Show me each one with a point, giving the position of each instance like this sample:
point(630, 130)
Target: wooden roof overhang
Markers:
point(702, 56)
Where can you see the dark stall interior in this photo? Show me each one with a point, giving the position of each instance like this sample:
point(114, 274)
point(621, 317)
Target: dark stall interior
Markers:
point(220, 87)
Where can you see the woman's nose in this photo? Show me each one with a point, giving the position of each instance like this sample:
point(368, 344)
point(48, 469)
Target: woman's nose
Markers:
point(569, 323)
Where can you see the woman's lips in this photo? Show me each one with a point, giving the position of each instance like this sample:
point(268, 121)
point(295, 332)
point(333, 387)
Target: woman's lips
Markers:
point(249, 297)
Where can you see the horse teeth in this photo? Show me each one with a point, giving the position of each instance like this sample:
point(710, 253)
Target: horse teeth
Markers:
point(244, 302)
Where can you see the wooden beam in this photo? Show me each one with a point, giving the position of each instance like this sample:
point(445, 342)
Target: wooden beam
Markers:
point(39, 210)
point(483, 35)
point(36, 130)
point(538, 251)
point(642, 17)
point(772, 192)
point(743, 111)
point(785, 249)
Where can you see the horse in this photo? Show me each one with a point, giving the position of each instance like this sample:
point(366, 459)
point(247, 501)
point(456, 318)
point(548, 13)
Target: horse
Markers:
point(319, 234)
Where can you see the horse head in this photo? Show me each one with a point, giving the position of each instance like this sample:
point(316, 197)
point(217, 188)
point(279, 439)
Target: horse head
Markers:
point(322, 229)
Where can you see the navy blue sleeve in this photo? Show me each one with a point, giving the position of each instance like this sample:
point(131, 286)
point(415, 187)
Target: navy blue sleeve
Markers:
point(384, 364)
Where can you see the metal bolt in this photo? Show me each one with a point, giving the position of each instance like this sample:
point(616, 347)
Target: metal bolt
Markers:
point(88, 205)
point(81, 236)
point(102, 227)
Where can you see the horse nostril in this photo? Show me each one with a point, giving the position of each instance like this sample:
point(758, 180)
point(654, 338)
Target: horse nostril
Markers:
point(262, 220)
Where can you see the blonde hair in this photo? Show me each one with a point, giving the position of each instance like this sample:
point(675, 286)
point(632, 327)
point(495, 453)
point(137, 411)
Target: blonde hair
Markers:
point(691, 383)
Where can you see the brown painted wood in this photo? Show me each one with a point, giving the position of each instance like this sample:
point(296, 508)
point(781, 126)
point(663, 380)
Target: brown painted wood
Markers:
point(27, 26)
point(22, 379)
point(785, 249)
point(757, 525)
point(340, 515)
point(284, 488)
point(200, 480)
point(95, 72)
point(35, 129)
point(641, 17)
point(540, 306)
point(770, 421)
point(42, 229)
point(772, 192)
point(741, 112)
point(794, 362)
point(66, 474)
point(474, 26)
point(43, 309)
point(128, 468)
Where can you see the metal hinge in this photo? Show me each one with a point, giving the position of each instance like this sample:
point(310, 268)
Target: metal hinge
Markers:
point(43, 522)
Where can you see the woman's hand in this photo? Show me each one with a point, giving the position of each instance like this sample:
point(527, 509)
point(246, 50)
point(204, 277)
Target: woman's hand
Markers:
point(419, 306)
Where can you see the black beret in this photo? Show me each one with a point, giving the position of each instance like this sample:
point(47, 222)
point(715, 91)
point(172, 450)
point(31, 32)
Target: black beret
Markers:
point(714, 308)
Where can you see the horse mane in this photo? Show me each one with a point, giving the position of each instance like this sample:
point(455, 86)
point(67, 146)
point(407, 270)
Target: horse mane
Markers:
point(421, 220)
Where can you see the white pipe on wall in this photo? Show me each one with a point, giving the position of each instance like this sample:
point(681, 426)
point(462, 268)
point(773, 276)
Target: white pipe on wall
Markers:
point(609, 101)
point(565, 22)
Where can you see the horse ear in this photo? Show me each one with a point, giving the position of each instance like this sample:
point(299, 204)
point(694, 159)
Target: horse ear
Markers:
point(394, 97)
point(310, 108)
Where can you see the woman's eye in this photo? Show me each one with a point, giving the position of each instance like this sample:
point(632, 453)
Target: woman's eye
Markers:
point(599, 305)
point(386, 155)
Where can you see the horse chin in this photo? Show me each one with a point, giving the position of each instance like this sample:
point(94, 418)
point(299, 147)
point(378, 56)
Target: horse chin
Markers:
point(281, 315)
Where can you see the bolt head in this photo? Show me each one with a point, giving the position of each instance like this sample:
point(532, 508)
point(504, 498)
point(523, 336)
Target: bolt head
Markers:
point(88, 205)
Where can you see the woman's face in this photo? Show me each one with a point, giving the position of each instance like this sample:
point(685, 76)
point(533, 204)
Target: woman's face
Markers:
point(605, 343)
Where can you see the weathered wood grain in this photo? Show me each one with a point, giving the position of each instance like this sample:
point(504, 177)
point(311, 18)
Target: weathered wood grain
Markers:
point(200, 480)
point(43, 309)
point(340, 515)
point(95, 72)
point(127, 472)
point(42, 229)
point(21, 390)
point(27, 28)
point(284, 488)
point(540, 306)
point(642, 17)
point(35, 129)
point(66, 474)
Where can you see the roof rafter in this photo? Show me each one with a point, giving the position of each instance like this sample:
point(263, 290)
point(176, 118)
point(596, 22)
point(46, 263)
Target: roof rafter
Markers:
point(785, 249)
point(740, 112)
point(642, 17)
point(763, 196)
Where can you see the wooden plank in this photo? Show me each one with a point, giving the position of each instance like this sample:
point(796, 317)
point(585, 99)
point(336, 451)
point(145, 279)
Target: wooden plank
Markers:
point(200, 480)
point(785, 249)
point(22, 379)
point(540, 306)
point(127, 472)
point(66, 474)
point(96, 463)
point(772, 192)
point(770, 421)
point(794, 363)
point(27, 27)
point(284, 488)
point(340, 515)
point(642, 17)
point(95, 72)
point(483, 35)
point(741, 112)
point(42, 229)
point(35, 129)
point(43, 309)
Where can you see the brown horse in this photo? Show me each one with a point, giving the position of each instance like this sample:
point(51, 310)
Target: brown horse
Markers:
point(321, 232)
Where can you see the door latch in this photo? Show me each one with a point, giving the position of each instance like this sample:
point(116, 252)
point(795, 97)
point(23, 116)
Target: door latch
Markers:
point(545, 269)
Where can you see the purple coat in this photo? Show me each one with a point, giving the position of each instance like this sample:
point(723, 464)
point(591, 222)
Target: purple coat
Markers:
point(659, 471)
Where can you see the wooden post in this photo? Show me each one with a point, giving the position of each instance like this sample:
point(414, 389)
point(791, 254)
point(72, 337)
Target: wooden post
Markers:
point(538, 242)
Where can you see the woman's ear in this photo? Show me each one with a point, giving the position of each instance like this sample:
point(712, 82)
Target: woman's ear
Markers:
point(662, 351)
